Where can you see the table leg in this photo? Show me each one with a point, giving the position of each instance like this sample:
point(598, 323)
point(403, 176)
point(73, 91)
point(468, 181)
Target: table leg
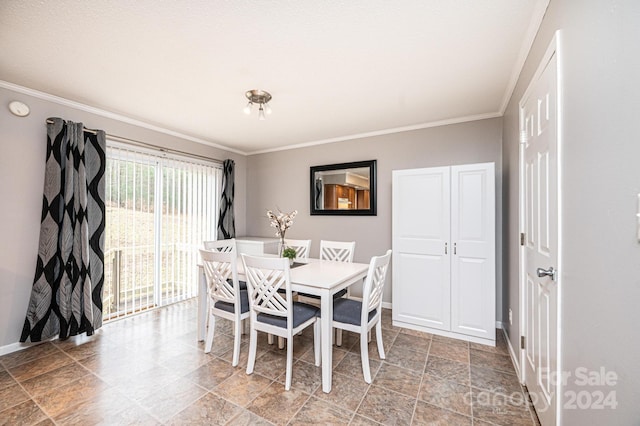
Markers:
point(202, 303)
point(326, 315)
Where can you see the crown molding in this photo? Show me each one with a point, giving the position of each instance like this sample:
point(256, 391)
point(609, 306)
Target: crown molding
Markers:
point(138, 123)
point(384, 132)
point(111, 115)
point(525, 48)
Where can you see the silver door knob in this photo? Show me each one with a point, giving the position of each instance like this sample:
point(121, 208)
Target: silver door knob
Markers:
point(546, 273)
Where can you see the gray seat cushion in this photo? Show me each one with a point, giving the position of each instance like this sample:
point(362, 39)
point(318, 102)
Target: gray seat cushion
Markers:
point(335, 296)
point(244, 303)
point(348, 311)
point(301, 313)
point(242, 284)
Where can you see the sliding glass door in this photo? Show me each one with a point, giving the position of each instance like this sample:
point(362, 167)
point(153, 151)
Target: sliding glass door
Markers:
point(159, 210)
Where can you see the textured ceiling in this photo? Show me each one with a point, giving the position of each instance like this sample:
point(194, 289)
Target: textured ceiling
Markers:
point(336, 69)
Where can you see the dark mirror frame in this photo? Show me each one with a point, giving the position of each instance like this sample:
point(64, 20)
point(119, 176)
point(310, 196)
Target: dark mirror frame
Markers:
point(371, 211)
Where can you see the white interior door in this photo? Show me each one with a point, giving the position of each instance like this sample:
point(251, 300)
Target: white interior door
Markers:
point(538, 121)
point(473, 274)
point(421, 249)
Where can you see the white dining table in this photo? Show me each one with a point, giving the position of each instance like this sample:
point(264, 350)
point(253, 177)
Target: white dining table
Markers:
point(318, 277)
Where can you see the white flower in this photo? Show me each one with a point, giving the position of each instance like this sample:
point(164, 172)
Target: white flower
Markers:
point(281, 221)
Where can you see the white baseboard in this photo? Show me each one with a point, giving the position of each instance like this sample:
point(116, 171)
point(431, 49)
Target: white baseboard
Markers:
point(19, 346)
point(14, 347)
point(453, 335)
point(515, 359)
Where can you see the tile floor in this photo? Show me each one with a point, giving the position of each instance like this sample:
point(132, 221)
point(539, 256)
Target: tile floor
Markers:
point(149, 370)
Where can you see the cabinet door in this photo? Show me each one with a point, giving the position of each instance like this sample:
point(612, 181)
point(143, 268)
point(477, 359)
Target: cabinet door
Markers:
point(362, 199)
point(473, 285)
point(421, 273)
point(350, 194)
point(330, 197)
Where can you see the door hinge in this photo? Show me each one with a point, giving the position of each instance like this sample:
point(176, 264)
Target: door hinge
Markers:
point(522, 342)
point(522, 238)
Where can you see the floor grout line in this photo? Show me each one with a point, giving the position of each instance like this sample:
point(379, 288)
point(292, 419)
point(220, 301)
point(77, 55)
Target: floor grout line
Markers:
point(172, 321)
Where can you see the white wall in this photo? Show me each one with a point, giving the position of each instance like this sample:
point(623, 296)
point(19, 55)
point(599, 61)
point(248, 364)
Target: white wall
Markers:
point(600, 274)
point(23, 144)
point(281, 179)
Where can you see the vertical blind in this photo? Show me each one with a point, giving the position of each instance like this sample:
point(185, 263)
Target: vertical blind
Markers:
point(159, 209)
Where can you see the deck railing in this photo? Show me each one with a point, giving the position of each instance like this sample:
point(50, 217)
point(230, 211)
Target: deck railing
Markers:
point(130, 278)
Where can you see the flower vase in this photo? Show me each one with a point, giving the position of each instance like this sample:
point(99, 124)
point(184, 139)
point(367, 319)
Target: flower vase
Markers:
point(281, 247)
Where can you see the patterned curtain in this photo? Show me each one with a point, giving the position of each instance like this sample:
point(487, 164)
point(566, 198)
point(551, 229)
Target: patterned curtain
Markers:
point(226, 220)
point(66, 298)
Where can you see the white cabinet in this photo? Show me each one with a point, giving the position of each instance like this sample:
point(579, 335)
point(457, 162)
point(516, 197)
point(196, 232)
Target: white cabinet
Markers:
point(257, 245)
point(444, 251)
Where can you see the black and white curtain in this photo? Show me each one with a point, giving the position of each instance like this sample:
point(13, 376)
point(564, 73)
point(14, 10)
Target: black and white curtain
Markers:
point(226, 220)
point(66, 298)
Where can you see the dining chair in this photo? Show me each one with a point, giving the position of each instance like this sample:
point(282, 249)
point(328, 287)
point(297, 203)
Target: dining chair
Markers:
point(226, 298)
point(361, 316)
point(225, 246)
point(339, 251)
point(275, 312)
point(228, 245)
point(302, 247)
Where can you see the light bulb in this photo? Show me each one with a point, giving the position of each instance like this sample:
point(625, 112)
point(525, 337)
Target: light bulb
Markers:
point(247, 109)
point(267, 109)
point(261, 113)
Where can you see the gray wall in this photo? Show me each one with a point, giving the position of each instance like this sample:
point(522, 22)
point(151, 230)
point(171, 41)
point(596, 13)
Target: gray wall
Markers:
point(281, 179)
point(600, 274)
point(23, 144)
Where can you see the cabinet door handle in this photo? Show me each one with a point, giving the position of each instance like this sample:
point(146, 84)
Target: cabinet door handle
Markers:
point(455, 249)
point(445, 248)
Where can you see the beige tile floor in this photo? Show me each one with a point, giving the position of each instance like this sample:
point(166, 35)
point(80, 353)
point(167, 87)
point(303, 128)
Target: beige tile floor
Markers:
point(149, 369)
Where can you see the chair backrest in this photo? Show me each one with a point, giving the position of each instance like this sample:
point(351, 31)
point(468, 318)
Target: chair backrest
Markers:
point(374, 284)
point(302, 247)
point(221, 271)
point(265, 276)
point(338, 251)
point(225, 246)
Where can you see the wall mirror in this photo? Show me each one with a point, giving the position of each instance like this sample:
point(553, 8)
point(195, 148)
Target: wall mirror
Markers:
point(344, 189)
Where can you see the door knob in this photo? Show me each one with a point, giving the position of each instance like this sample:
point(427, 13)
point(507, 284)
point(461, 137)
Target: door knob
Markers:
point(547, 273)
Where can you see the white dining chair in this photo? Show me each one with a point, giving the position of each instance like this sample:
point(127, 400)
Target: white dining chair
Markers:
point(361, 316)
point(224, 246)
point(228, 245)
point(338, 251)
point(225, 297)
point(302, 247)
point(275, 312)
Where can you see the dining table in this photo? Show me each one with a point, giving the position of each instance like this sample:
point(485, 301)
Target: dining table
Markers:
point(321, 278)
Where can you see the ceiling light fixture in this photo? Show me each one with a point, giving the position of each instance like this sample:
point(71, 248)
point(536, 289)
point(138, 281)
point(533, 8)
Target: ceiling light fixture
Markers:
point(261, 98)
